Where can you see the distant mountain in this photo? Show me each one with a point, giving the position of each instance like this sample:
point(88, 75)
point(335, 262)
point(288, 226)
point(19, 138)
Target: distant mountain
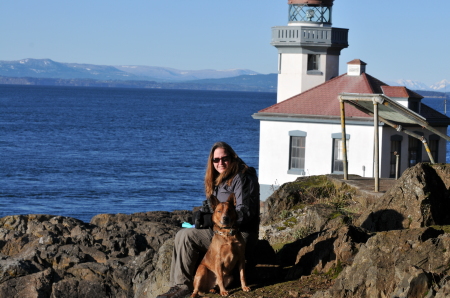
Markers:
point(46, 71)
point(171, 74)
point(442, 86)
point(256, 83)
point(410, 84)
point(46, 68)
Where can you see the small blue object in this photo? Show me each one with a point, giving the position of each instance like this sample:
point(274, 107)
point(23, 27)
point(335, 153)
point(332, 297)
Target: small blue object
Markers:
point(187, 225)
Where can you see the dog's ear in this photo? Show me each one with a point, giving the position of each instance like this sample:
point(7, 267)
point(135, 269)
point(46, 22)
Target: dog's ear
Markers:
point(213, 201)
point(232, 199)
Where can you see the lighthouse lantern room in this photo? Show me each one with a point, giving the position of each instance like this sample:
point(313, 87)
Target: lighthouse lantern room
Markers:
point(313, 12)
point(308, 48)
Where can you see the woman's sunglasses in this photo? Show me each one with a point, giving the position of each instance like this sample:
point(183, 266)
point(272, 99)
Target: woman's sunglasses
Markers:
point(223, 159)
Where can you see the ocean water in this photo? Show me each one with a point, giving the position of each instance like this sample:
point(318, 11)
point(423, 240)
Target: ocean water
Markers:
point(78, 152)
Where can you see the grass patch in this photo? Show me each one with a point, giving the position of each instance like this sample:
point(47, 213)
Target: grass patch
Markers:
point(302, 232)
point(335, 214)
point(285, 214)
point(278, 246)
point(334, 272)
point(290, 222)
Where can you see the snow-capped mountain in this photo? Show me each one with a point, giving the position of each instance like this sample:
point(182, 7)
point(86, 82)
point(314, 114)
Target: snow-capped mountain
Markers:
point(410, 84)
point(171, 74)
point(47, 68)
point(443, 85)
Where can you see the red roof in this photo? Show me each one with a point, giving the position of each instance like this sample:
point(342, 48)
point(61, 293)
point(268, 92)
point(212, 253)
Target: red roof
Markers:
point(357, 62)
point(400, 91)
point(322, 100)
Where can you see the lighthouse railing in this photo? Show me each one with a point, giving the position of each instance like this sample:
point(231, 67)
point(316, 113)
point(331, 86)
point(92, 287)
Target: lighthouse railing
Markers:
point(285, 35)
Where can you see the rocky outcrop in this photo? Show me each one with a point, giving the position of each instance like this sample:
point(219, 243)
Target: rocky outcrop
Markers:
point(154, 274)
point(401, 263)
point(301, 192)
point(420, 198)
point(385, 251)
point(328, 251)
point(54, 256)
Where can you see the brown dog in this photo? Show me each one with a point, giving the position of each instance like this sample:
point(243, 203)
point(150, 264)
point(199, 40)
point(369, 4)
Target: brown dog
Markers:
point(226, 250)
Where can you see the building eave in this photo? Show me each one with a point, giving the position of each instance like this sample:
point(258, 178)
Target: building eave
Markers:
point(312, 118)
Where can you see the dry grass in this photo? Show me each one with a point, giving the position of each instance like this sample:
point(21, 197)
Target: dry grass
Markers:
point(304, 287)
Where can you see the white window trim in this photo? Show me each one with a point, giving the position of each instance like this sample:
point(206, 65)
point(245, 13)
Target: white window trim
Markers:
point(295, 133)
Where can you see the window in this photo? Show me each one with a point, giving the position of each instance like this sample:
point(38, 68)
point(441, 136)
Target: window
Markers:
point(279, 62)
point(309, 13)
point(313, 62)
point(297, 152)
point(414, 151)
point(338, 152)
point(434, 146)
point(396, 146)
point(414, 105)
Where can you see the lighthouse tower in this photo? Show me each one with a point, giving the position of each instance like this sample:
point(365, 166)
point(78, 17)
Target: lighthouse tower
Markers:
point(308, 48)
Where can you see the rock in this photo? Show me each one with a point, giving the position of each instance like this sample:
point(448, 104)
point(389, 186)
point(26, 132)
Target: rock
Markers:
point(403, 262)
point(94, 272)
point(36, 285)
point(398, 257)
point(444, 288)
point(304, 190)
point(322, 294)
point(414, 283)
point(144, 265)
point(154, 279)
point(79, 289)
point(420, 198)
point(328, 250)
point(54, 256)
point(298, 224)
point(13, 268)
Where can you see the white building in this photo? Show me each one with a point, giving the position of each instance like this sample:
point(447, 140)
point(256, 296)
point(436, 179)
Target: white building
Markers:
point(301, 134)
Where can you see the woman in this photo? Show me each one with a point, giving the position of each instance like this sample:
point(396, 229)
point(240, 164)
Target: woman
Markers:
point(226, 173)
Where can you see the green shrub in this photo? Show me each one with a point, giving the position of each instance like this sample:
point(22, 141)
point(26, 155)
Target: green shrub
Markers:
point(285, 214)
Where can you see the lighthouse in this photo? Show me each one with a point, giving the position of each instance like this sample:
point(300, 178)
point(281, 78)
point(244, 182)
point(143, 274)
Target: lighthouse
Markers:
point(308, 47)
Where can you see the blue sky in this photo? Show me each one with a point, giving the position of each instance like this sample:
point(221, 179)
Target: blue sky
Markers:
point(401, 39)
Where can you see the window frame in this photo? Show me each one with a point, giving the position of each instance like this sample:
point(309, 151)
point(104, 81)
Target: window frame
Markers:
point(417, 151)
point(338, 137)
point(297, 134)
point(313, 67)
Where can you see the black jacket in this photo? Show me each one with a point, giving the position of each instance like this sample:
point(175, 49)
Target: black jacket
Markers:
point(245, 187)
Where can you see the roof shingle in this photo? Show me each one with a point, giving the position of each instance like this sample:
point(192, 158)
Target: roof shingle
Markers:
point(400, 91)
point(322, 100)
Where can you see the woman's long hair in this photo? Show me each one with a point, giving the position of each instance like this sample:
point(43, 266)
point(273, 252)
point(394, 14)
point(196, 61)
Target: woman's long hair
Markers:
point(214, 178)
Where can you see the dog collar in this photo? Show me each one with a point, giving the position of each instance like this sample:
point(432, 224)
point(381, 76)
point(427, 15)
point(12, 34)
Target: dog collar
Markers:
point(231, 231)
